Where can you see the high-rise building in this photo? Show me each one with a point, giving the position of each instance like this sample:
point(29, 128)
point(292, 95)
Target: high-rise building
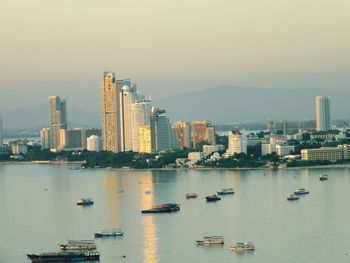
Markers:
point(203, 131)
point(144, 139)
point(58, 119)
point(1, 131)
point(182, 130)
point(163, 137)
point(141, 115)
point(237, 143)
point(111, 112)
point(128, 96)
point(94, 143)
point(323, 113)
point(45, 138)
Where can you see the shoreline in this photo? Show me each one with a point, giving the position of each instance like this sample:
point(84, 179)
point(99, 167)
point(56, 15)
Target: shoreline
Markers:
point(180, 169)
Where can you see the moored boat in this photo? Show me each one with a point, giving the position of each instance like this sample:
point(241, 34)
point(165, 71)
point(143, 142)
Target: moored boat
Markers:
point(191, 195)
point(226, 191)
point(163, 208)
point(292, 197)
point(78, 245)
point(243, 246)
point(112, 232)
point(211, 240)
point(323, 177)
point(64, 256)
point(85, 201)
point(301, 191)
point(212, 198)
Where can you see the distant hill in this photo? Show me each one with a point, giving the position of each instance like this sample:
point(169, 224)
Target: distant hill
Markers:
point(39, 117)
point(227, 104)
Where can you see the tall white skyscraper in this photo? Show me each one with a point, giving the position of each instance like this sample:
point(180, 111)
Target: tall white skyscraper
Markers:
point(141, 115)
point(45, 138)
point(1, 131)
point(323, 113)
point(237, 143)
point(58, 119)
point(128, 96)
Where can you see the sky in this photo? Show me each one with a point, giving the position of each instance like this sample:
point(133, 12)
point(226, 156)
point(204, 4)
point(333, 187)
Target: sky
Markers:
point(168, 47)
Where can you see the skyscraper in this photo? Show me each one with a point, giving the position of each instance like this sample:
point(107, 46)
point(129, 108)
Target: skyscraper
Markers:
point(45, 138)
point(58, 119)
point(111, 112)
point(141, 115)
point(127, 98)
point(144, 139)
point(1, 131)
point(203, 131)
point(323, 113)
point(237, 143)
point(182, 130)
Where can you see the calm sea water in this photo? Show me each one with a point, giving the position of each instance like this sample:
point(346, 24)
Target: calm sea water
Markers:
point(312, 229)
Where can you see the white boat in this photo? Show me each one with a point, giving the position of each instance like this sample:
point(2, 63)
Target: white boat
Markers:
point(243, 246)
point(211, 240)
point(301, 191)
point(191, 195)
point(226, 191)
point(112, 232)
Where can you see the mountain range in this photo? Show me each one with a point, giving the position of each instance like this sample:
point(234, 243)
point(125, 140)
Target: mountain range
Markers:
point(222, 104)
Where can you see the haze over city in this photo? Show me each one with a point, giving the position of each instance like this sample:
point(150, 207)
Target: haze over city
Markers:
point(169, 47)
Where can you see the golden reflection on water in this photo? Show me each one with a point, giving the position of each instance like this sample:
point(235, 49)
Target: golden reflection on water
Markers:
point(150, 237)
point(112, 185)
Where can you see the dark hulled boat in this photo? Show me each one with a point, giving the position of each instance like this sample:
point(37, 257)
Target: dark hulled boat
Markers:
point(163, 208)
point(212, 198)
point(64, 256)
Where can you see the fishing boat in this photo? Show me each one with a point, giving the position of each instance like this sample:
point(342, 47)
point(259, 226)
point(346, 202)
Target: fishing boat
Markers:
point(301, 191)
point(323, 177)
point(163, 208)
point(191, 195)
point(292, 197)
point(112, 232)
point(226, 191)
point(243, 246)
point(79, 245)
point(211, 240)
point(212, 198)
point(64, 256)
point(85, 201)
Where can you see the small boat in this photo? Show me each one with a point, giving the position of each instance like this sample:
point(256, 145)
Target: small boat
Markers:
point(79, 245)
point(323, 177)
point(191, 195)
point(64, 256)
point(226, 191)
point(301, 191)
point(163, 208)
point(242, 247)
point(85, 201)
point(292, 197)
point(212, 198)
point(211, 240)
point(112, 232)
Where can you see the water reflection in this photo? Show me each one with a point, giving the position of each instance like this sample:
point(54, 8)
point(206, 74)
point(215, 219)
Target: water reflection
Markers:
point(150, 237)
point(113, 187)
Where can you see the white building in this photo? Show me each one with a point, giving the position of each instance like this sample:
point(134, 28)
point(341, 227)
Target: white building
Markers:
point(141, 115)
point(195, 157)
point(1, 131)
point(45, 138)
point(94, 143)
point(268, 146)
point(323, 113)
point(18, 147)
point(208, 149)
point(237, 143)
point(283, 150)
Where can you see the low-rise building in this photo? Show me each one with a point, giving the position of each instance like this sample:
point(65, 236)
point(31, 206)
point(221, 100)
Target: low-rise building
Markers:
point(333, 154)
point(208, 149)
point(94, 143)
point(195, 157)
point(18, 147)
point(283, 150)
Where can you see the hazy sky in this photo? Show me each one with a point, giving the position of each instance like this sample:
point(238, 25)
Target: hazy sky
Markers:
point(168, 47)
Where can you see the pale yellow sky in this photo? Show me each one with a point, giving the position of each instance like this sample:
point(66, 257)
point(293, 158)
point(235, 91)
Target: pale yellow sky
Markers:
point(66, 40)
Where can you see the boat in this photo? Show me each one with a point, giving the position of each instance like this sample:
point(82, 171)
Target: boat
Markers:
point(79, 245)
point(85, 201)
point(301, 191)
point(64, 256)
point(226, 191)
point(112, 232)
point(323, 177)
point(292, 197)
point(242, 247)
point(211, 240)
point(212, 198)
point(191, 195)
point(163, 208)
